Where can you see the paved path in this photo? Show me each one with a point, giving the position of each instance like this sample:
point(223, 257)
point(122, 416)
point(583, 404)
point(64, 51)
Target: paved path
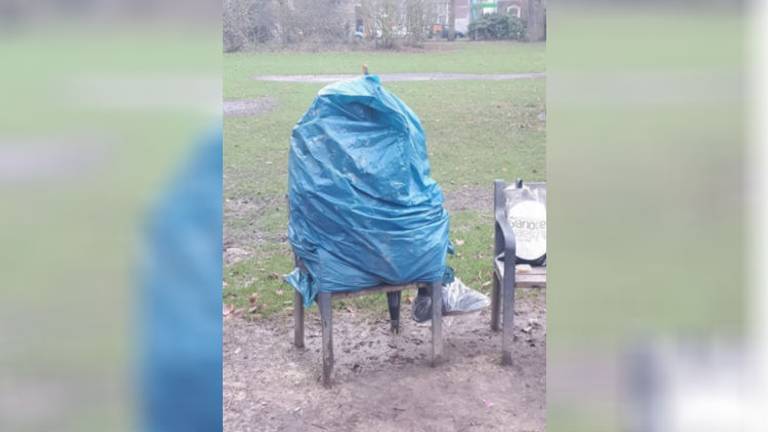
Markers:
point(427, 76)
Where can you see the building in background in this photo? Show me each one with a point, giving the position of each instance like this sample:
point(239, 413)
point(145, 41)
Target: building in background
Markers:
point(531, 11)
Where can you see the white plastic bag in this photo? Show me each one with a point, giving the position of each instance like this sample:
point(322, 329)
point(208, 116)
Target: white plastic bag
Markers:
point(527, 215)
point(459, 298)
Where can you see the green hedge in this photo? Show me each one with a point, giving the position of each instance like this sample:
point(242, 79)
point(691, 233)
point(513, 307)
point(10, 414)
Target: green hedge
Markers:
point(497, 26)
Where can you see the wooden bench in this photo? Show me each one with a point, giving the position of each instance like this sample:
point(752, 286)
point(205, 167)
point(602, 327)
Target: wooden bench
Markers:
point(507, 277)
point(324, 303)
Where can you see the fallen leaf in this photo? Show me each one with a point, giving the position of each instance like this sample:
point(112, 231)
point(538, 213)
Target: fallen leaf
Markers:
point(279, 292)
point(523, 268)
point(228, 309)
point(274, 275)
point(459, 242)
point(252, 299)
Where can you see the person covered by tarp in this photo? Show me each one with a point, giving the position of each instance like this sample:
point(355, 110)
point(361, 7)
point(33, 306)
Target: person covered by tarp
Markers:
point(364, 209)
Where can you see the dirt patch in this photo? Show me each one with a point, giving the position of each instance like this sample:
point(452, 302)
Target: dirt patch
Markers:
point(233, 255)
point(385, 383)
point(476, 198)
point(427, 76)
point(249, 107)
point(242, 230)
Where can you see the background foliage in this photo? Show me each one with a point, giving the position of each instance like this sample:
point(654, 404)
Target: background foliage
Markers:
point(497, 26)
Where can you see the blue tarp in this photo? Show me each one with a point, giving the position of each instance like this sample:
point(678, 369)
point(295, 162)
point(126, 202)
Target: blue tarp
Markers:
point(364, 209)
point(180, 313)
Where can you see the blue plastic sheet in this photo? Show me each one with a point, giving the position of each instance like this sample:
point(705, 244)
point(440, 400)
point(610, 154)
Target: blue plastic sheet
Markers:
point(364, 209)
point(180, 314)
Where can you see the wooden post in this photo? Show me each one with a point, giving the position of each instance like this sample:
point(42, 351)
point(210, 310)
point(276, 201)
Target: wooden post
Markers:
point(437, 323)
point(298, 319)
point(324, 304)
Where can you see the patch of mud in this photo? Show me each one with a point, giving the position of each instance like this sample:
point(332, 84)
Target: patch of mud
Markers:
point(394, 77)
point(384, 383)
point(476, 198)
point(241, 227)
point(233, 255)
point(249, 107)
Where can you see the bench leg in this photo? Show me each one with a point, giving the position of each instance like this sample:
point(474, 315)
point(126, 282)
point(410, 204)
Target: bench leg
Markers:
point(437, 323)
point(393, 301)
point(495, 303)
point(324, 304)
point(298, 320)
point(508, 311)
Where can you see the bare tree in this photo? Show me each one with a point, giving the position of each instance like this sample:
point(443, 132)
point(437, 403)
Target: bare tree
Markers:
point(536, 17)
point(415, 19)
point(384, 21)
point(248, 23)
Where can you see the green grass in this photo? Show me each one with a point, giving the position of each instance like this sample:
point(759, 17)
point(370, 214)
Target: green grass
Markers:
point(476, 131)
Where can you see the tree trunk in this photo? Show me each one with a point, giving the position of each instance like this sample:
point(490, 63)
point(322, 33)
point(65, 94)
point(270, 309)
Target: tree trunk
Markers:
point(451, 20)
point(535, 21)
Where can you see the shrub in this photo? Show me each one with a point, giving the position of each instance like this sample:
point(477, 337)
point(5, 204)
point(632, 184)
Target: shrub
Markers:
point(517, 28)
point(489, 27)
point(497, 26)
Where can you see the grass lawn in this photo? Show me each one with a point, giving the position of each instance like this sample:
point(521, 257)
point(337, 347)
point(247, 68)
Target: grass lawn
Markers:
point(476, 131)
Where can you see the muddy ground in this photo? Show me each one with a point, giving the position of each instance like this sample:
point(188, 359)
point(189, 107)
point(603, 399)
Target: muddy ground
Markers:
point(384, 383)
